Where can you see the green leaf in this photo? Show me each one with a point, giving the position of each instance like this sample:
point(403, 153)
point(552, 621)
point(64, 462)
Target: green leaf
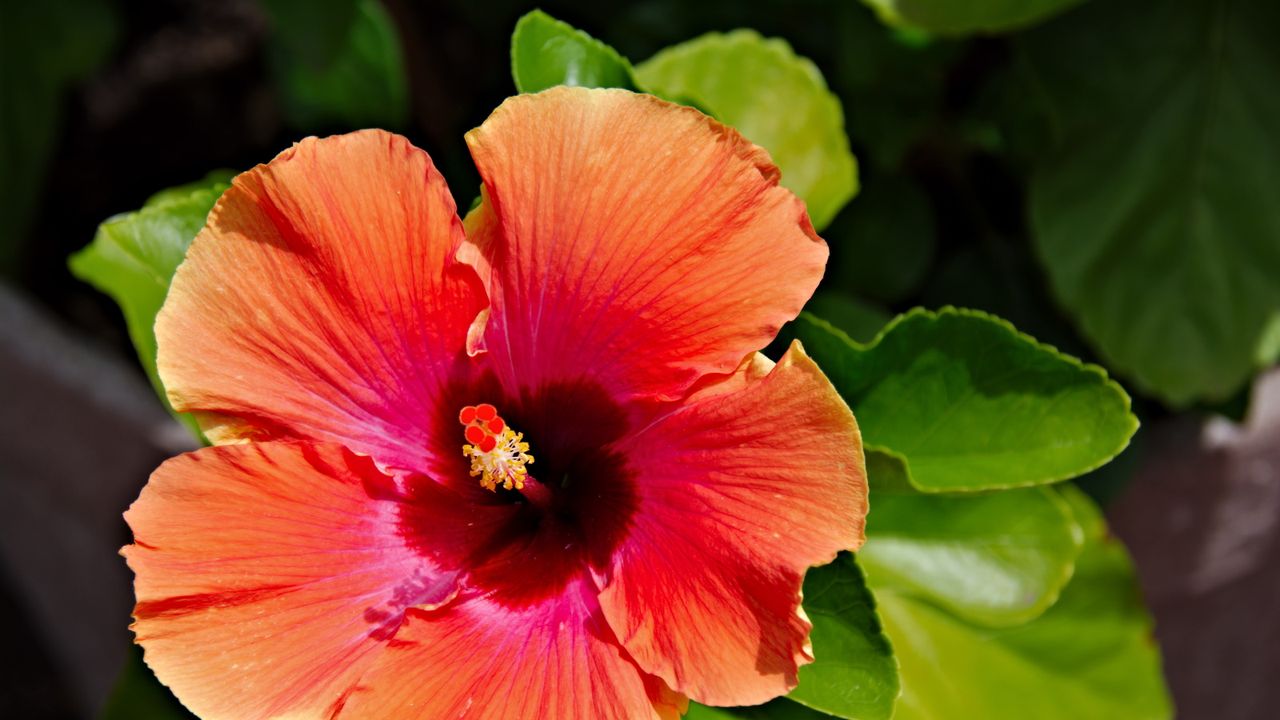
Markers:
point(1089, 656)
point(854, 674)
point(773, 97)
point(780, 709)
point(970, 403)
point(1155, 212)
point(883, 243)
point(992, 559)
point(949, 17)
point(133, 257)
point(546, 52)
point(363, 83)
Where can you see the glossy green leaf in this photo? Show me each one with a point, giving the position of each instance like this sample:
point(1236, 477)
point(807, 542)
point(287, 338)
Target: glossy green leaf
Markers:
point(772, 96)
point(883, 243)
point(546, 52)
point(992, 559)
point(1089, 656)
point(970, 403)
point(1155, 213)
point(780, 709)
point(133, 257)
point(949, 17)
point(362, 85)
point(854, 674)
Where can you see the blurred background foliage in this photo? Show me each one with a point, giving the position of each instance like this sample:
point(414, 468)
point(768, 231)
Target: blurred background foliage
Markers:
point(1100, 173)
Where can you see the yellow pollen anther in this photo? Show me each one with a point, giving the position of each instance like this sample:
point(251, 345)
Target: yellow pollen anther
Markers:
point(498, 454)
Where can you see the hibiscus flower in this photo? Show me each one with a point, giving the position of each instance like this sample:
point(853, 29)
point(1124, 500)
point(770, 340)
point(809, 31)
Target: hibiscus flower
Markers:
point(529, 465)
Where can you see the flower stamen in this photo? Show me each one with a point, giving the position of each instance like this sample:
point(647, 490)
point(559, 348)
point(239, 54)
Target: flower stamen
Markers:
point(498, 454)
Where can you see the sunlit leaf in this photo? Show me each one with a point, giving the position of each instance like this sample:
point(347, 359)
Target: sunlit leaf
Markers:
point(546, 52)
point(1091, 655)
point(772, 96)
point(994, 559)
point(969, 403)
point(133, 257)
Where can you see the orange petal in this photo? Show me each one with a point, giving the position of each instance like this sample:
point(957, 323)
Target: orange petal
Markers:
point(631, 240)
point(269, 576)
point(487, 661)
point(741, 490)
point(321, 301)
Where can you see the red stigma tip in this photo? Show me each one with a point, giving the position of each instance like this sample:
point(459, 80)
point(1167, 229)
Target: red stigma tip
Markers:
point(476, 436)
point(486, 412)
point(468, 415)
point(496, 426)
point(488, 443)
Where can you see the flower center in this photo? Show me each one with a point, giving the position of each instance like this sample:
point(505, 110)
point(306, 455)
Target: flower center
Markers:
point(498, 454)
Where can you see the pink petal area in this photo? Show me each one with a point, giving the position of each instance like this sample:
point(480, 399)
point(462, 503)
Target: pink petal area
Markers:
point(476, 659)
point(269, 576)
point(321, 301)
point(741, 490)
point(632, 241)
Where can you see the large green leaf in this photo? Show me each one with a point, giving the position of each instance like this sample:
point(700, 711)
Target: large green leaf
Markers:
point(1089, 656)
point(133, 257)
point(854, 674)
point(949, 17)
point(1155, 215)
point(546, 52)
point(993, 559)
point(971, 404)
point(772, 96)
point(361, 84)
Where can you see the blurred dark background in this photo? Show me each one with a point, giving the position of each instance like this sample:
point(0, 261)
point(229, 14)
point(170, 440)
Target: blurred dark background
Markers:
point(105, 103)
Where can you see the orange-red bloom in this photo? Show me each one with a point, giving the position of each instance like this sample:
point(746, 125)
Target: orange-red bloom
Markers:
point(640, 492)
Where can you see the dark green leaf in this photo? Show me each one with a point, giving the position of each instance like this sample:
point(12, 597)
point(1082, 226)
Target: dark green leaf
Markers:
point(949, 17)
point(1155, 214)
point(362, 85)
point(773, 97)
point(1089, 656)
point(546, 52)
point(854, 674)
point(972, 404)
point(133, 257)
point(992, 559)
